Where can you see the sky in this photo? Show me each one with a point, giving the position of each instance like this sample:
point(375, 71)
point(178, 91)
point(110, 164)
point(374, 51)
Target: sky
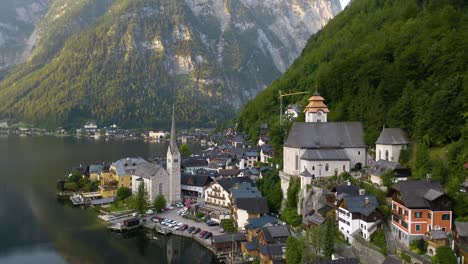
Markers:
point(344, 3)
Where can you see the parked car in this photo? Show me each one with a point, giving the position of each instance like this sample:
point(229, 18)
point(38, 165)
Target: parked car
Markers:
point(149, 212)
point(212, 223)
point(203, 233)
point(190, 229)
point(182, 228)
point(208, 235)
point(197, 230)
point(154, 219)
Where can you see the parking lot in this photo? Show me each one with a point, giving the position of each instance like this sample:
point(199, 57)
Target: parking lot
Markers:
point(172, 214)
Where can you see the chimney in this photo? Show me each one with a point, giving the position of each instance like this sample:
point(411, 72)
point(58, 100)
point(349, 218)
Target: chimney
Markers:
point(367, 200)
point(362, 192)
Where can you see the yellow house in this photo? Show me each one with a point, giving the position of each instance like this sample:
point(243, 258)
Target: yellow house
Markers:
point(95, 172)
point(109, 189)
point(123, 169)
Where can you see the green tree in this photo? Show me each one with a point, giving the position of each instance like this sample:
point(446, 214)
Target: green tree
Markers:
point(159, 203)
point(294, 250)
point(185, 151)
point(330, 235)
point(422, 162)
point(387, 178)
point(444, 255)
point(141, 199)
point(71, 186)
point(123, 193)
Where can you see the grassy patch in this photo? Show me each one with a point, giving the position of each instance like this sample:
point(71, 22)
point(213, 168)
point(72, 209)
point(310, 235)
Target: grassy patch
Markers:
point(378, 239)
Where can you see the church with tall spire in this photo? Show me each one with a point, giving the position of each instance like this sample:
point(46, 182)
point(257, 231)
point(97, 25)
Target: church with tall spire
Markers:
point(173, 165)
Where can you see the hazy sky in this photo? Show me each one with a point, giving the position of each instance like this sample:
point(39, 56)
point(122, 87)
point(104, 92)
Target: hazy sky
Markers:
point(344, 3)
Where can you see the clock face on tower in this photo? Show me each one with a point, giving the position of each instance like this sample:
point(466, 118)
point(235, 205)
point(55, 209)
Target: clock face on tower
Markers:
point(319, 113)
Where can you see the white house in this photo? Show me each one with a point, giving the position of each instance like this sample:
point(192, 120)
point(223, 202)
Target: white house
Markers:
point(158, 135)
point(358, 215)
point(90, 127)
point(292, 112)
point(194, 185)
point(218, 193)
point(390, 143)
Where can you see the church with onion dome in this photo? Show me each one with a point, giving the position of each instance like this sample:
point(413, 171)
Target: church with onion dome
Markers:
point(317, 149)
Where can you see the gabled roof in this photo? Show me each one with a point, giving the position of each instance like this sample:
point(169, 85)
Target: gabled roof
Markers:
point(393, 136)
point(261, 221)
point(147, 170)
point(462, 228)
point(380, 167)
point(228, 238)
point(306, 173)
point(418, 194)
point(362, 204)
point(347, 188)
point(195, 180)
point(272, 250)
point(229, 172)
point(228, 183)
point(326, 135)
point(195, 162)
point(315, 218)
point(95, 168)
point(245, 190)
point(324, 154)
point(257, 205)
point(275, 233)
point(127, 166)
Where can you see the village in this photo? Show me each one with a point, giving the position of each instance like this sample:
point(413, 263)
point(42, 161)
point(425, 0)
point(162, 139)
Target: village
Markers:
point(361, 197)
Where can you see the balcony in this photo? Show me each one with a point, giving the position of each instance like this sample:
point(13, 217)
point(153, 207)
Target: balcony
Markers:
point(221, 197)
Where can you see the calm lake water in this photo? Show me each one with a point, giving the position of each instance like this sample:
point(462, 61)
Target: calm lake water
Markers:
point(35, 228)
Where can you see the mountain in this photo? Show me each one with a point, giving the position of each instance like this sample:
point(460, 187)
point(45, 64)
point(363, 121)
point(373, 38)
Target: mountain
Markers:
point(395, 63)
point(128, 61)
point(18, 21)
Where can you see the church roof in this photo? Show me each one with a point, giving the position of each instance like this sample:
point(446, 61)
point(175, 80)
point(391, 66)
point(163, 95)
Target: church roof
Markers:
point(326, 135)
point(316, 103)
point(393, 136)
point(147, 170)
point(324, 154)
point(127, 166)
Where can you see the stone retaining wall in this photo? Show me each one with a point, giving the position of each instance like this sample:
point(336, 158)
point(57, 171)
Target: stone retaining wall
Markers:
point(366, 254)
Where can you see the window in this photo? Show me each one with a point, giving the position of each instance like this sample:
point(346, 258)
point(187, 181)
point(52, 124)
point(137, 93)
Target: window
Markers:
point(400, 211)
point(418, 227)
point(380, 154)
point(386, 155)
point(313, 167)
point(394, 206)
point(327, 167)
point(297, 162)
point(417, 214)
point(404, 224)
point(406, 212)
point(359, 152)
point(446, 217)
point(344, 167)
point(176, 160)
point(429, 215)
point(161, 188)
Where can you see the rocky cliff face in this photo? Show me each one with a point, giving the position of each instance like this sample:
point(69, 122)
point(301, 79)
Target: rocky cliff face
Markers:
point(18, 21)
point(127, 61)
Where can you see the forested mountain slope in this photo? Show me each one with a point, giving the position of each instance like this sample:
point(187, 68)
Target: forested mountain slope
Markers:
point(128, 61)
point(399, 63)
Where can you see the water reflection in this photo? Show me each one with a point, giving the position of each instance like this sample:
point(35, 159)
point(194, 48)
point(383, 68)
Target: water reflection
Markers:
point(35, 226)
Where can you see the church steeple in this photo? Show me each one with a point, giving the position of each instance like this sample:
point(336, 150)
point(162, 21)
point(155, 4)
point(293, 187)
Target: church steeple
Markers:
point(173, 143)
point(316, 110)
point(173, 164)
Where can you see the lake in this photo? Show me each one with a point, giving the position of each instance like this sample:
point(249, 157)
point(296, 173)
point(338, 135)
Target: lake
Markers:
point(36, 228)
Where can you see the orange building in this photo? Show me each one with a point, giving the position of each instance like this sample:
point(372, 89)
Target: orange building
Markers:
point(417, 208)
